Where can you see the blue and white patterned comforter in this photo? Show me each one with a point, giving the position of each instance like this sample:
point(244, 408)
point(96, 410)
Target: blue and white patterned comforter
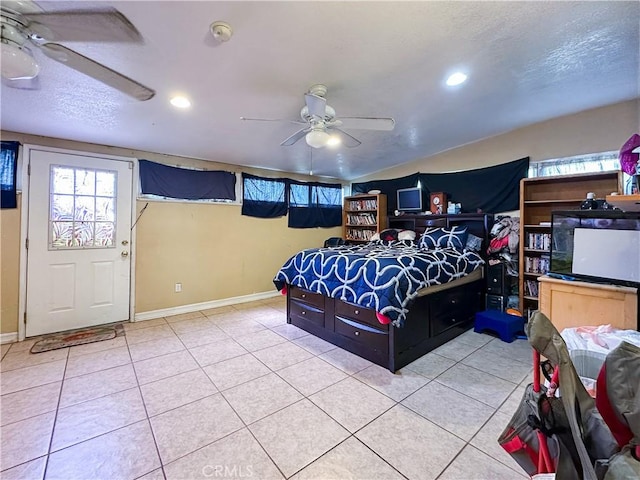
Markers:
point(383, 277)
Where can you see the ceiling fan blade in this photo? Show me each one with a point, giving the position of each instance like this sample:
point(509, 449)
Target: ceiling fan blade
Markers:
point(365, 123)
point(22, 83)
point(105, 25)
point(346, 139)
point(295, 137)
point(316, 105)
point(272, 120)
point(98, 71)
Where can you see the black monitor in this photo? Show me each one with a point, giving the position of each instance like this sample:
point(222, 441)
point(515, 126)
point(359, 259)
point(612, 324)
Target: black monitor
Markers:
point(410, 200)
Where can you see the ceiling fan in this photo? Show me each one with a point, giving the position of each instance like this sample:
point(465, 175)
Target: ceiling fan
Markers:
point(23, 23)
point(322, 127)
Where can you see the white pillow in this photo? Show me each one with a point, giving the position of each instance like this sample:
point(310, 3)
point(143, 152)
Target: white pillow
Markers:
point(406, 235)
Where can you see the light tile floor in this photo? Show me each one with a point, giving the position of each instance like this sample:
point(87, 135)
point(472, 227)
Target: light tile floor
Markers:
point(235, 392)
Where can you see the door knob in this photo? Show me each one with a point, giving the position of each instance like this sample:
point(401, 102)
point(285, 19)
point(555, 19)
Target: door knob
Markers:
point(125, 253)
point(125, 242)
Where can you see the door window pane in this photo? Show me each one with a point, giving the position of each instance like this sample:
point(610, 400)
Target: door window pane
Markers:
point(82, 208)
point(85, 207)
point(63, 180)
point(104, 233)
point(61, 207)
point(83, 234)
point(104, 209)
point(85, 182)
point(105, 184)
point(61, 234)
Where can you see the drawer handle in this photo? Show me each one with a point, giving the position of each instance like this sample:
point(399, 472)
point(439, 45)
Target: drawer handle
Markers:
point(303, 312)
point(356, 333)
point(357, 312)
point(304, 295)
point(453, 302)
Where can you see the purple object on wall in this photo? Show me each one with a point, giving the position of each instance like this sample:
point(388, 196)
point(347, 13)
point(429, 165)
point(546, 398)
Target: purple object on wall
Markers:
point(628, 159)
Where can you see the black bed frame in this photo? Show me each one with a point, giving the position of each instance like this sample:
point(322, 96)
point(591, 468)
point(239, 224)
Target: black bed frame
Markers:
point(432, 320)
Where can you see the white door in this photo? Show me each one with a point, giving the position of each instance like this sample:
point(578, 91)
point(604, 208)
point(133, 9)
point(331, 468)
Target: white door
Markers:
point(79, 234)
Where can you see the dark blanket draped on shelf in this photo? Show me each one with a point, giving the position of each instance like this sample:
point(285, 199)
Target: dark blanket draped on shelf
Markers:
point(490, 189)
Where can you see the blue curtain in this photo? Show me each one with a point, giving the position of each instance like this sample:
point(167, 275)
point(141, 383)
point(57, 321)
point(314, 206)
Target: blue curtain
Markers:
point(9, 159)
point(264, 197)
point(173, 182)
point(314, 204)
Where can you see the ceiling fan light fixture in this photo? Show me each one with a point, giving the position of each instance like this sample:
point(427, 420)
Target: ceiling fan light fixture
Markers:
point(333, 141)
point(17, 63)
point(317, 138)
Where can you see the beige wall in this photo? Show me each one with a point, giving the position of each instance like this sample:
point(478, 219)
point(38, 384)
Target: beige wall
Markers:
point(10, 268)
point(598, 130)
point(213, 250)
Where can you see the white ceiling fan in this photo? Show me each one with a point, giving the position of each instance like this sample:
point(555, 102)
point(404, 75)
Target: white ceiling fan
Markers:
point(23, 23)
point(322, 127)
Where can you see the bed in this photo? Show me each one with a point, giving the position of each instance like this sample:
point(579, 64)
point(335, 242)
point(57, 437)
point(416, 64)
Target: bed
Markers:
point(388, 302)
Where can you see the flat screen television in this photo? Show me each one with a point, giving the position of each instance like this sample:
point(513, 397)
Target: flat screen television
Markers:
point(409, 199)
point(596, 245)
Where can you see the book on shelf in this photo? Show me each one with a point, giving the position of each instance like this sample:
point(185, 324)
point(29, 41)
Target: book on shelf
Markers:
point(361, 219)
point(357, 234)
point(363, 205)
point(538, 241)
point(531, 288)
point(545, 224)
point(537, 264)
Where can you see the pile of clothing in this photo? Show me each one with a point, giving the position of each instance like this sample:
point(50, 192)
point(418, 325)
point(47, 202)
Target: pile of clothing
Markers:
point(505, 238)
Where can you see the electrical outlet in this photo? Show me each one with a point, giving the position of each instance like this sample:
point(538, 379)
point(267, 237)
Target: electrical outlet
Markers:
point(178, 287)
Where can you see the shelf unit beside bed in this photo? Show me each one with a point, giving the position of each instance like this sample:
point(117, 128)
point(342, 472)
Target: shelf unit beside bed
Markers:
point(540, 196)
point(362, 216)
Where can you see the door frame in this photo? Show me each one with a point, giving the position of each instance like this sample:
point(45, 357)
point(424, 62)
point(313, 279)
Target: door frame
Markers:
point(24, 224)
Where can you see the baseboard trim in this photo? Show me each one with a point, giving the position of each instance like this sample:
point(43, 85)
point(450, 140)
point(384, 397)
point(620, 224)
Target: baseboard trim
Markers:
point(194, 307)
point(8, 337)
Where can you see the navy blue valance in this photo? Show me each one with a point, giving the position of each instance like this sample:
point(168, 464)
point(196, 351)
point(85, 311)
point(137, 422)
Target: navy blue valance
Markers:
point(314, 204)
point(173, 182)
point(8, 162)
point(264, 197)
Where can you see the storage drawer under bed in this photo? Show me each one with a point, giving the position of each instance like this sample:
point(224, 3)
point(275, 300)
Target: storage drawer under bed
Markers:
point(368, 338)
point(305, 296)
point(359, 314)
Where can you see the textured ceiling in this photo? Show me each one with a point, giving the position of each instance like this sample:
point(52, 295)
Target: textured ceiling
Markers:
point(526, 61)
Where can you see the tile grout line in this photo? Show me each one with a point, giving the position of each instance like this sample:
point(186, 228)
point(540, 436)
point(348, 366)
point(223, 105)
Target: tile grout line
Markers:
point(55, 418)
point(148, 419)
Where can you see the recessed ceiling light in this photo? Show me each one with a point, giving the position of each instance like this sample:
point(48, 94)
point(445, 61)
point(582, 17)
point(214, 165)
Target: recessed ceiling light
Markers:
point(456, 79)
point(180, 102)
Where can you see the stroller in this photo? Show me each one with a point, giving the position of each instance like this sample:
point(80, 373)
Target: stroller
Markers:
point(565, 435)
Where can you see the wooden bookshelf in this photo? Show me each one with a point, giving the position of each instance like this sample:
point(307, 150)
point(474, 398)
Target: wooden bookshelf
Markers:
point(538, 198)
point(362, 216)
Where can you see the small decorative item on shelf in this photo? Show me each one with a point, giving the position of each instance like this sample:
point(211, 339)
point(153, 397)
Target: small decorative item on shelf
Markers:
point(454, 208)
point(590, 203)
point(438, 200)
